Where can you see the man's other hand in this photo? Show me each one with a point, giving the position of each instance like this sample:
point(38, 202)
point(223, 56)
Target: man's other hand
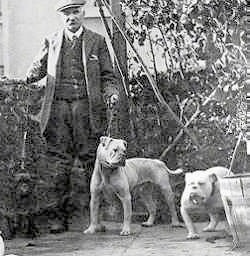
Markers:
point(112, 100)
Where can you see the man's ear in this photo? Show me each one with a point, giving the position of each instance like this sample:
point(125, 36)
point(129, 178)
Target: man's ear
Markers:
point(213, 178)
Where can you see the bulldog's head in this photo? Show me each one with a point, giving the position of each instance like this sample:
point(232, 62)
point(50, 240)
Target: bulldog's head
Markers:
point(200, 186)
point(111, 152)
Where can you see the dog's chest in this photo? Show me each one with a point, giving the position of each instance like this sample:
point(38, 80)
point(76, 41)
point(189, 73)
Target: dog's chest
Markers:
point(110, 178)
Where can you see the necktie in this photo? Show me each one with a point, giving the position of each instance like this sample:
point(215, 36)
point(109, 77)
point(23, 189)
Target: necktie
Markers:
point(74, 40)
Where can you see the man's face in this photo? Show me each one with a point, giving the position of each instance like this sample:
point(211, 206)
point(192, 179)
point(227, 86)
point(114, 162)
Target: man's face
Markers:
point(73, 18)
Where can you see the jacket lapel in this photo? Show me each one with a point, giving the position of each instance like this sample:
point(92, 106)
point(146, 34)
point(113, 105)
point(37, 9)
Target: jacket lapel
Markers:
point(56, 44)
point(54, 50)
point(87, 45)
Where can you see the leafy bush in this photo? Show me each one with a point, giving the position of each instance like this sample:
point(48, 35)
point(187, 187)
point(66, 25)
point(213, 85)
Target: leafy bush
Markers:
point(201, 46)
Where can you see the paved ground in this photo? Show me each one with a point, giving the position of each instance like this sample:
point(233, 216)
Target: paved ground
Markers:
point(159, 240)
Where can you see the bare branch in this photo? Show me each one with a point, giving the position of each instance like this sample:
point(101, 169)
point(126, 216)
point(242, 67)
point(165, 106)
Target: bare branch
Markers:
point(196, 113)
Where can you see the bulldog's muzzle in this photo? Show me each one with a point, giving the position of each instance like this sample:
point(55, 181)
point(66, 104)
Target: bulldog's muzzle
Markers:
point(196, 199)
point(121, 161)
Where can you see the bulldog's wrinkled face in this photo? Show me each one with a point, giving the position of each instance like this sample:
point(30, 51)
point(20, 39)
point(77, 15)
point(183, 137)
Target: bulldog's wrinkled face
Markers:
point(199, 186)
point(111, 152)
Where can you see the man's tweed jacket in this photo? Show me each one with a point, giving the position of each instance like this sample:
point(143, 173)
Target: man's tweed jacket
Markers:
point(99, 76)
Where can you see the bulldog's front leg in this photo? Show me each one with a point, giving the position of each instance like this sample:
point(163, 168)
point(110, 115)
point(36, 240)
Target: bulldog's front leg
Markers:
point(214, 219)
point(94, 226)
point(127, 207)
point(192, 234)
point(120, 186)
point(95, 191)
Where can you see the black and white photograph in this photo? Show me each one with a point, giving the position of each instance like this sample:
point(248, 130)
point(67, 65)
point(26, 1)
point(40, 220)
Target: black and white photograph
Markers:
point(124, 128)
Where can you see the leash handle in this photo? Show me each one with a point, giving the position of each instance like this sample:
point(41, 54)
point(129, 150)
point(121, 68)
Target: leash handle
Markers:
point(111, 118)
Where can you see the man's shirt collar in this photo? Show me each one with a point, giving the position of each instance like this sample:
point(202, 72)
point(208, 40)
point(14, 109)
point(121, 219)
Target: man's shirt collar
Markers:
point(70, 35)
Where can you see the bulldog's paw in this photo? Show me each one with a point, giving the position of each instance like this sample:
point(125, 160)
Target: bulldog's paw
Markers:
point(208, 229)
point(89, 230)
point(93, 229)
point(147, 224)
point(125, 232)
point(193, 236)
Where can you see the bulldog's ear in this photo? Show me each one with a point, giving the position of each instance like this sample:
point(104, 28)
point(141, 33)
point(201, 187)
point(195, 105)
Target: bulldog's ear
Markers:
point(213, 178)
point(103, 140)
point(125, 143)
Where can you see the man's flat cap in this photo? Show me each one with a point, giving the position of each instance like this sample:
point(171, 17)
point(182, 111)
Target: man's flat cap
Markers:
point(64, 4)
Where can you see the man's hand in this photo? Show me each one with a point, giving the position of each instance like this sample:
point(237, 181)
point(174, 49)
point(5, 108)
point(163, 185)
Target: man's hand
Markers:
point(112, 100)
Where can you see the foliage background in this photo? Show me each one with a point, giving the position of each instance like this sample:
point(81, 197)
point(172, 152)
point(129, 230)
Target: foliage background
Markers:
point(202, 45)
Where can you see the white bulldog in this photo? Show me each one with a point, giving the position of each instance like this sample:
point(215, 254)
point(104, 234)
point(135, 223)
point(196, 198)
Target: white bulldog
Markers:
point(202, 194)
point(113, 171)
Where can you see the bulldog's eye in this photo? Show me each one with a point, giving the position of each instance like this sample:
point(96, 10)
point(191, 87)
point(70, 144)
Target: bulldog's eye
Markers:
point(201, 183)
point(115, 150)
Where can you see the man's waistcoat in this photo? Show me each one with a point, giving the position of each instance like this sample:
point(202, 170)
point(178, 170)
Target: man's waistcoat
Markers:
point(71, 83)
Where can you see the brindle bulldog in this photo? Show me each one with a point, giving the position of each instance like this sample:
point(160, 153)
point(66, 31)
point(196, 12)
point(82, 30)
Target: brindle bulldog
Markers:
point(202, 195)
point(122, 175)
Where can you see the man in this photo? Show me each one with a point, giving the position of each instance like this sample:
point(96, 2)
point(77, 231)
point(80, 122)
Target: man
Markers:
point(80, 85)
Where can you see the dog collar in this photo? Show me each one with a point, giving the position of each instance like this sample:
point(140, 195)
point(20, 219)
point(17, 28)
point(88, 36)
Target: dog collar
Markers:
point(107, 165)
